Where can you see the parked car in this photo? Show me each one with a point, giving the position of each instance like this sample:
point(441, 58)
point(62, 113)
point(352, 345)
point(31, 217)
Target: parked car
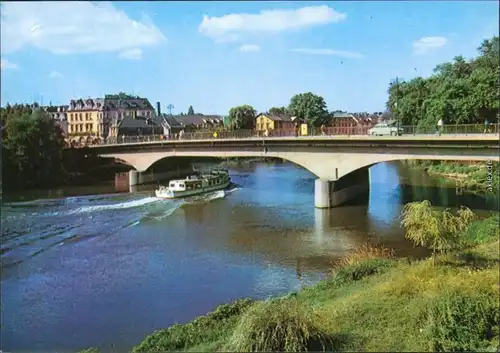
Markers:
point(382, 129)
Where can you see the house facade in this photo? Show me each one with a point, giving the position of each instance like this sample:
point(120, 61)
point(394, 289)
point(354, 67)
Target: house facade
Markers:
point(85, 118)
point(124, 108)
point(268, 122)
point(60, 116)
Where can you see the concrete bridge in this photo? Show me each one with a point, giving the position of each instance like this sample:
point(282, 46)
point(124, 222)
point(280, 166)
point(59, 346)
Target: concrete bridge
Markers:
point(341, 162)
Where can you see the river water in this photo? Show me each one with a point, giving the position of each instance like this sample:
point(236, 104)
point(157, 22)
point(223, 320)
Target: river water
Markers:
point(104, 269)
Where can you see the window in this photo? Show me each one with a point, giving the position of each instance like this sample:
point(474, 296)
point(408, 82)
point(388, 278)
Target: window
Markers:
point(80, 116)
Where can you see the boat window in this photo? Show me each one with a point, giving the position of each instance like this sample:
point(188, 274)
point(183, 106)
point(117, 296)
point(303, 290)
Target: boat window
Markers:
point(181, 185)
point(172, 185)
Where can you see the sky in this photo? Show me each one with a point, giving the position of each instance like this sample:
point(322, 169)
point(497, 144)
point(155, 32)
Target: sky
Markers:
point(217, 55)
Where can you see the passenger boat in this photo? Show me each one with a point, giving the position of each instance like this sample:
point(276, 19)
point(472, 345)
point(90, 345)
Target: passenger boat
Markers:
point(217, 179)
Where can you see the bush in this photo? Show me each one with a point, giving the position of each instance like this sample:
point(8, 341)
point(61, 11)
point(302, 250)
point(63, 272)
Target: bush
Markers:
point(481, 231)
point(360, 270)
point(439, 230)
point(278, 326)
point(207, 328)
point(364, 253)
point(458, 322)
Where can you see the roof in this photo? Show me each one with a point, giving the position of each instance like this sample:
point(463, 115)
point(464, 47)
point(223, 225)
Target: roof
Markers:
point(130, 123)
point(86, 104)
point(198, 119)
point(342, 115)
point(130, 103)
point(171, 121)
point(283, 117)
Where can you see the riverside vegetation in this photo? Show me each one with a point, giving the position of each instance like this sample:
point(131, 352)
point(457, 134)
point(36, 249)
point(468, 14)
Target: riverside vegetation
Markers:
point(372, 301)
point(476, 176)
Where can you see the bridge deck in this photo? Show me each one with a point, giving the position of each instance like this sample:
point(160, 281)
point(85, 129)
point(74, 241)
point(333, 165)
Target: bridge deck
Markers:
point(344, 138)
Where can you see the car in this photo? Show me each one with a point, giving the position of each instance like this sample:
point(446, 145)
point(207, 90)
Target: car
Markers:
point(382, 129)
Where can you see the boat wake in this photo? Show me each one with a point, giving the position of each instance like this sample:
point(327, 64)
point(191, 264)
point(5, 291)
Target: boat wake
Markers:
point(33, 227)
point(116, 206)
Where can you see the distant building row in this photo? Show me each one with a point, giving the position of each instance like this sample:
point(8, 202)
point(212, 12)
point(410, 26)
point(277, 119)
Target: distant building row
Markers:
point(87, 120)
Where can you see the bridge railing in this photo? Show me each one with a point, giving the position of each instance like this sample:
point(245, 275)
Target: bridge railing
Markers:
point(464, 129)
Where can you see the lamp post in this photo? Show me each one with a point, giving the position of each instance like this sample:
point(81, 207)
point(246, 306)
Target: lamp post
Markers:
point(170, 107)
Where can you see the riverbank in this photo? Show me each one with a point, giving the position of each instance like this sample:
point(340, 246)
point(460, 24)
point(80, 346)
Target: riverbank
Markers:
point(372, 302)
point(473, 176)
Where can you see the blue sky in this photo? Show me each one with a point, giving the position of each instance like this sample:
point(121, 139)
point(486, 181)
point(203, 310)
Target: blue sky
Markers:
point(216, 55)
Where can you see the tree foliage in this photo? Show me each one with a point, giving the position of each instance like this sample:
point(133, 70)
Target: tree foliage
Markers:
point(277, 111)
point(309, 107)
point(242, 117)
point(32, 146)
point(459, 92)
point(190, 110)
point(439, 230)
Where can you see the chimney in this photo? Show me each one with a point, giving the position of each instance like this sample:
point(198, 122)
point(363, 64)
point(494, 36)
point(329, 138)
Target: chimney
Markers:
point(158, 108)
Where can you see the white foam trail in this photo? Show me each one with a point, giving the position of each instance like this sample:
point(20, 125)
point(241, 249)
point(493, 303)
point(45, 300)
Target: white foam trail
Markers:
point(117, 206)
point(230, 191)
point(166, 213)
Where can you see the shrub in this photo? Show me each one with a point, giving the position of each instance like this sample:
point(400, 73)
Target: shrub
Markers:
point(364, 253)
point(360, 270)
point(207, 328)
point(481, 231)
point(458, 322)
point(439, 230)
point(278, 325)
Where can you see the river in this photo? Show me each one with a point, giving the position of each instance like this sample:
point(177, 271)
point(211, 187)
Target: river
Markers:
point(100, 268)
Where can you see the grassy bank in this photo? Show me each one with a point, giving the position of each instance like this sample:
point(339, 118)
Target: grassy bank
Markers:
point(371, 302)
point(477, 176)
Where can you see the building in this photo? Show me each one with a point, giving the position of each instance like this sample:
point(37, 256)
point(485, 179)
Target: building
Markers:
point(85, 119)
point(139, 126)
point(266, 121)
point(342, 119)
point(172, 126)
point(199, 121)
point(59, 114)
point(137, 113)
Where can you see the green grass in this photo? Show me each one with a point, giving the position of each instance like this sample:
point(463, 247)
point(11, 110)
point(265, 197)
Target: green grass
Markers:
point(206, 331)
point(472, 176)
point(376, 303)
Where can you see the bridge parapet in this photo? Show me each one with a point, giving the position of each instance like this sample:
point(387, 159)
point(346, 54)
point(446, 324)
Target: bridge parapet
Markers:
point(330, 132)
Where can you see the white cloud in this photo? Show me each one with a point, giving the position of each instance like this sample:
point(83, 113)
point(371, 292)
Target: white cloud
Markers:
point(6, 65)
point(341, 53)
point(55, 74)
point(231, 27)
point(426, 44)
point(131, 54)
point(73, 27)
point(249, 48)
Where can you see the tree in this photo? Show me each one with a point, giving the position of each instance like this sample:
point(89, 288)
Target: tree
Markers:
point(309, 108)
point(459, 92)
point(31, 148)
point(438, 230)
point(242, 117)
point(277, 111)
point(190, 110)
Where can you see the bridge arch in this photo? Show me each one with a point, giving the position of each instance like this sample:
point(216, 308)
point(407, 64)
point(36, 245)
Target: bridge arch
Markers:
point(328, 166)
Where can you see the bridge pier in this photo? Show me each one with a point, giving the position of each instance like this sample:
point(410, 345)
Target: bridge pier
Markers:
point(333, 193)
point(133, 177)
